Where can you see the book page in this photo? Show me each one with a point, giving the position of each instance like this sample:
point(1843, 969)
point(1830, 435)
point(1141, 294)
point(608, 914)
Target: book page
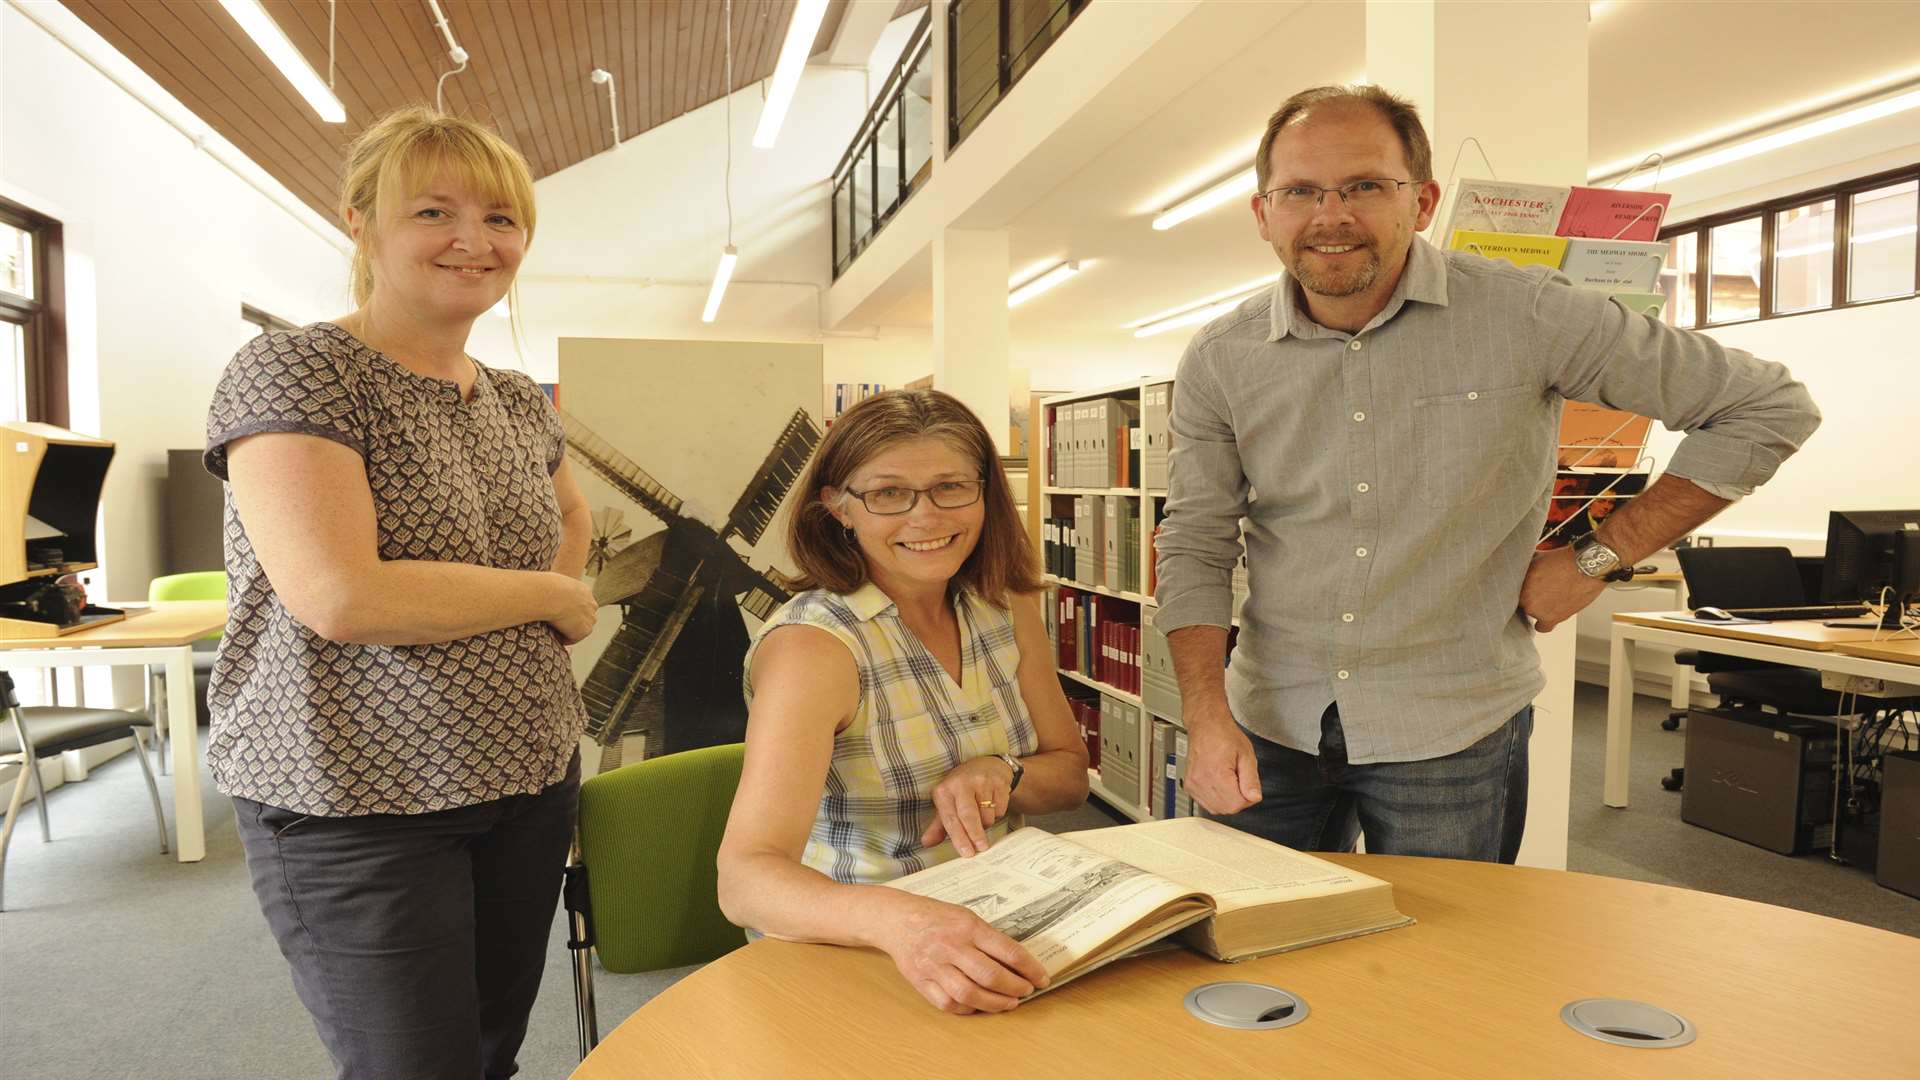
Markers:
point(1060, 900)
point(1236, 869)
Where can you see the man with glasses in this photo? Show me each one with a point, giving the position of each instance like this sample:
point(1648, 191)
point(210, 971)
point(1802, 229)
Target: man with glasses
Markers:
point(1384, 420)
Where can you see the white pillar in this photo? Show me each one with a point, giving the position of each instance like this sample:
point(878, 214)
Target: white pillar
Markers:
point(1514, 77)
point(1511, 75)
point(970, 358)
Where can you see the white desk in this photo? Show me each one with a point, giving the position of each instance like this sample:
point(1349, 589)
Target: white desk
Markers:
point(1801, 644)
point(161, 633)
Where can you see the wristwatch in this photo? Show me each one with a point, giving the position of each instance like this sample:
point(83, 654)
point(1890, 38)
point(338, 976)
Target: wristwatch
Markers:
point(1019, 770)
point(1597, 560)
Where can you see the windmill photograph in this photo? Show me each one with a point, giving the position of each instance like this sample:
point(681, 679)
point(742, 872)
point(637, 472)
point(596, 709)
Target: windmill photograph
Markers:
point(682, 584)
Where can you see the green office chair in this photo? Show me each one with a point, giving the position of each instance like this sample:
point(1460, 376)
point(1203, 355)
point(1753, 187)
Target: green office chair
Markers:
point(641, 888)
point(199, 585)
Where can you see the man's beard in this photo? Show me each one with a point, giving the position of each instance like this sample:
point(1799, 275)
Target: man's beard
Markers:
point(1330, 281)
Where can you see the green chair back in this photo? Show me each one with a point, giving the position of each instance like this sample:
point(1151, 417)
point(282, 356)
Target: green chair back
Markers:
point(199, 585)
point(649, 833)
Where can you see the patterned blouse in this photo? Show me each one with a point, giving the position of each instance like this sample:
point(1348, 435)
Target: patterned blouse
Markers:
point(333, 729)
point(913, 725)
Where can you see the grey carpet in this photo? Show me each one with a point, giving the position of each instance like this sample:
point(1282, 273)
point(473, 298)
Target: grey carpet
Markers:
point(117, 962)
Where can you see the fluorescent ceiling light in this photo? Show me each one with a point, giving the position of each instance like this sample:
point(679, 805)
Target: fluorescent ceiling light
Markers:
point(1238, 291)
point(1205, 309)
point(267, 35)
point(1798, 133)
point(1236, 186)
point(721, 275)
point(786, 74)
point(1031, 272)
point(1042, 283)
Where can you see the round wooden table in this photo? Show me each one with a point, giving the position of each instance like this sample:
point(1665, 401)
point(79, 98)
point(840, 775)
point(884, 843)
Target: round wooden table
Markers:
point(1472, 990)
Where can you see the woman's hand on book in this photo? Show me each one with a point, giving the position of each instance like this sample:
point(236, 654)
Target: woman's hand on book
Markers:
point(1222, 773)
point(969, 799)
point(958, 962)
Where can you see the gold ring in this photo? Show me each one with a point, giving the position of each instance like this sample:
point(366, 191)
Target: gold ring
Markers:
point(988, 803)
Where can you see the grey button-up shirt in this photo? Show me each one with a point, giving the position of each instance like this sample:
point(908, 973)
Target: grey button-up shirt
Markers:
point(1394, 482)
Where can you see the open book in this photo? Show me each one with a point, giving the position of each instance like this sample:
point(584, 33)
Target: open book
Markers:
point(1083, 899)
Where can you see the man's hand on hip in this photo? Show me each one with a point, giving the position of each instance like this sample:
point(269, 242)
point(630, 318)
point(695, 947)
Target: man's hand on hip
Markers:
point(1555, 590)
point(1222, 773)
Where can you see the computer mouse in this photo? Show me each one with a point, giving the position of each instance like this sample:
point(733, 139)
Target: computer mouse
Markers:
point(1712, 614)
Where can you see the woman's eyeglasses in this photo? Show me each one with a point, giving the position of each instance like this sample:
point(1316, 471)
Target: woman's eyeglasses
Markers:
point(947, 495)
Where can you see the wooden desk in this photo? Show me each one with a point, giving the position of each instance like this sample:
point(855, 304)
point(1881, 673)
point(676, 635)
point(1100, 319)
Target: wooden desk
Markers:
point(1802, 644)
point(1473, 990)
point(1901, 650)
point(161, 633)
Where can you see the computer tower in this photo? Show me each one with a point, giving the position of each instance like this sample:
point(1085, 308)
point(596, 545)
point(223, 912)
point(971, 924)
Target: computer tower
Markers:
point(1760, 778)
point(1899, 864)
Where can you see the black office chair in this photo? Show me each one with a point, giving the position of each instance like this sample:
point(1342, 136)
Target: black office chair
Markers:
point(38, 731)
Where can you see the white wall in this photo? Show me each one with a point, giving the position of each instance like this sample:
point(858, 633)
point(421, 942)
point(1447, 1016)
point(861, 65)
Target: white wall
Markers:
point(1860, 366)
point(163, 243)
point(628, 239)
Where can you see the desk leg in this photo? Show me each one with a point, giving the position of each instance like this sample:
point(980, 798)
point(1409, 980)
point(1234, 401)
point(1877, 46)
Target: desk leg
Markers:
point(1619, 718)
point(1682, 696)
point(190, 837)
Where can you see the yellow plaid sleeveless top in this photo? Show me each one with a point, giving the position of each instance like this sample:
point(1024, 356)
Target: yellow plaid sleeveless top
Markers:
point(913, 725)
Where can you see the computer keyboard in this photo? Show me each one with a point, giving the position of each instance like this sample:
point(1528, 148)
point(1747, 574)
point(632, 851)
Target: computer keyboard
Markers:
point(1788, 614)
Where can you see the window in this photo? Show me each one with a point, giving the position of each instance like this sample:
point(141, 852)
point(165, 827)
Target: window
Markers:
point(1880, 247)
point(1803, 258)
point(32, 330)
point(1833, 247)
point(1677, 282)
point(1733, 271)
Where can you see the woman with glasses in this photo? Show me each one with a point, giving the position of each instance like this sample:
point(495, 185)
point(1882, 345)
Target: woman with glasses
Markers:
point(903, 707)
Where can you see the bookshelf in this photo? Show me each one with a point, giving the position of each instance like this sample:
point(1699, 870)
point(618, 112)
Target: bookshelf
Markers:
point(1101, 467)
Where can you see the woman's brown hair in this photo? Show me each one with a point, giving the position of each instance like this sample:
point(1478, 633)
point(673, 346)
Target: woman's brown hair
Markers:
point(1002, 564)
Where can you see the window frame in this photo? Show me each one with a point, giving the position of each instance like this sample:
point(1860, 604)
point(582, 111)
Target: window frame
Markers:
point(1701, 228)
point(43, 317)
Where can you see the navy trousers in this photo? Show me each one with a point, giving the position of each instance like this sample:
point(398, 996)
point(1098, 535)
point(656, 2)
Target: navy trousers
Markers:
point(416, 941)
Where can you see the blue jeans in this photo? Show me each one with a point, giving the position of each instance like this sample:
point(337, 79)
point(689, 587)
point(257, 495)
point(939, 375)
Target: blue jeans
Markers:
point(1468, 805)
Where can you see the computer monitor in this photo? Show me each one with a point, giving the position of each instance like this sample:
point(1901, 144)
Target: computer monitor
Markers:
point(1871, 553)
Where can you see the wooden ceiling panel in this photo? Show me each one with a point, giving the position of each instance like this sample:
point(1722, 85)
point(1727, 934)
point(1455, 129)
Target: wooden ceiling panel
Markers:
point(527, 73)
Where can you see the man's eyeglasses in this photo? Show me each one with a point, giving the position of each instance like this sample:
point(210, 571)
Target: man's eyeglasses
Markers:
point(1360, 195)
point(947, 495)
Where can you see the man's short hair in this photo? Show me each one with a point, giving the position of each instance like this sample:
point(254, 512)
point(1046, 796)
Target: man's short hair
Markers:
point(1398, 111)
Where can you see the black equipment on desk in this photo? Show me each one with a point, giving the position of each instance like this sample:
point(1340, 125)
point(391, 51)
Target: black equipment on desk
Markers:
point(1873, 554)
point(49, 504)
point(1765, 583)
point(1798, 614)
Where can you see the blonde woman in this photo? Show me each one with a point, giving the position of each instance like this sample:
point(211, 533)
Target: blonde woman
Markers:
point(903, 710)
point(393, 710)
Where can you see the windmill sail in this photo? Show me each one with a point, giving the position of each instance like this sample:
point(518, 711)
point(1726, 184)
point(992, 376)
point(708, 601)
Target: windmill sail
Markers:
point(660, 580)
point(619, 470)
point(773, 479)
